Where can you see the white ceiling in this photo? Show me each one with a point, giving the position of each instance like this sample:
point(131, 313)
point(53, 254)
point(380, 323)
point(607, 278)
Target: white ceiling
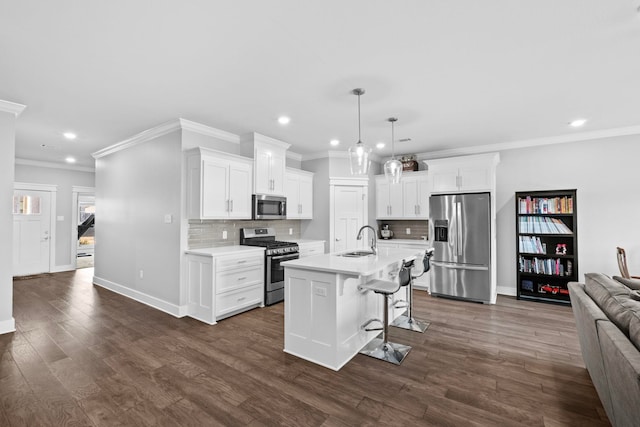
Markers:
point(457, 73)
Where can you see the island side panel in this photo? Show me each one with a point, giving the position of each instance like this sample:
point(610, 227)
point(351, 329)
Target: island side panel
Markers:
point(324, 312)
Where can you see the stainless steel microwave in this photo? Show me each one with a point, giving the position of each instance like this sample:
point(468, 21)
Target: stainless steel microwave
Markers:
point(269, 207)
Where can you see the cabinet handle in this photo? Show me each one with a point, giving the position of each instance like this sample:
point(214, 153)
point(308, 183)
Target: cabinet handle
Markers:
point(299, 209)
point(242, 262)
point(227, 206)
point(231, 210)
point(242, 278)
point(242, 298)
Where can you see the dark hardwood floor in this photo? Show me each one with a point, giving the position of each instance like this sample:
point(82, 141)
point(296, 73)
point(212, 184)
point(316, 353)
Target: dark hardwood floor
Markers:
point(85, 356)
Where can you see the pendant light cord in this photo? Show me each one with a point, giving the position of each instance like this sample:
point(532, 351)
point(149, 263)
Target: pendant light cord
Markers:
point(359, 135)
point(393, 141)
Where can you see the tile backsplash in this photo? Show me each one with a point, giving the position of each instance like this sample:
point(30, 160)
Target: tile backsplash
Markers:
point(418, 228)
point(208, 233)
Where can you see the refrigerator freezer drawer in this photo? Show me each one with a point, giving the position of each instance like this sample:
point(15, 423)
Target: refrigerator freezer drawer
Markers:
point(470, 282)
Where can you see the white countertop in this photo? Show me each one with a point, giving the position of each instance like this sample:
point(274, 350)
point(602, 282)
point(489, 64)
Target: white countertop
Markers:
point(405, 241)
point(225, 250)
point(303, 241)
point(362, 266)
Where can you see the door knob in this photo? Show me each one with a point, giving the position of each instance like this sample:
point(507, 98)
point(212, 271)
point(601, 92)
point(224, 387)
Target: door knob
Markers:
point(337, 239)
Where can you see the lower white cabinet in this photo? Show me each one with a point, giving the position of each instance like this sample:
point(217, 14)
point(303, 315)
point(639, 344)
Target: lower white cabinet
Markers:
point(222, 285)
point(311, 248)
point(421, 282)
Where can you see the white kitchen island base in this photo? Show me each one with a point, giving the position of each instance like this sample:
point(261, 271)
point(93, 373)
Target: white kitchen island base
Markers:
point(325, 310)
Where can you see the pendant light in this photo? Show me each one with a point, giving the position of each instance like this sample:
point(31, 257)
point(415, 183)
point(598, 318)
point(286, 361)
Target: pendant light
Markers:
point(393, 167)
point(359, 153)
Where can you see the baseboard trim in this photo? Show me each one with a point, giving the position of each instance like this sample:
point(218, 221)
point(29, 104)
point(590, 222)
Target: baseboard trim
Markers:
point(506, 290)
point(151, 301)
point(7, 326)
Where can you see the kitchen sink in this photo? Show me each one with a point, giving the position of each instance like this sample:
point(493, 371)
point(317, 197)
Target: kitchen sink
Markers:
point(356, 254)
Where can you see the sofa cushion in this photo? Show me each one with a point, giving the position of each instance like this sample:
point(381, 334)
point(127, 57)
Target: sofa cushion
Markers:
point(613, 298)
point(630, 283)
point(634, 330)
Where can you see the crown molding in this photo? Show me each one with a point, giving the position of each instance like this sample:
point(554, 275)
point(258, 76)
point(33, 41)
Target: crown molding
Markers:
point(258, 137)
point(332, 154)
point(294, 156)
point(535, 142)
point(164, 129)
point(82, 189)
point(209, 131)
point(140, 138)
point(35, 186)
point(52, 165)
point(11, 107)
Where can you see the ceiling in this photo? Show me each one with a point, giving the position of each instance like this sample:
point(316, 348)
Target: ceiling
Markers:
point(457, 73)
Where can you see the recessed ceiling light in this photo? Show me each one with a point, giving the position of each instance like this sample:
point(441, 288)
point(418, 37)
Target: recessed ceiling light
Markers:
point(284, 120)
point(70, 135)
point(334, 142)
point(70, 160)
point(380, 145)
point(577, 123)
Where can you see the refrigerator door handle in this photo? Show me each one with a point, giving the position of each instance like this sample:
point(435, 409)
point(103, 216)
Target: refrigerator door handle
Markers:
point(460, 266)
point(459, 228)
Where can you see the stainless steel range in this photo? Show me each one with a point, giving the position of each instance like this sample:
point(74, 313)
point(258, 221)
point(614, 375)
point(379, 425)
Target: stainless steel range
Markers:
point(276, 252)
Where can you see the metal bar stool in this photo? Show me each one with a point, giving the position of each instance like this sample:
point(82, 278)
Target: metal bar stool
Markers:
point(380, 347)
point(407, 321)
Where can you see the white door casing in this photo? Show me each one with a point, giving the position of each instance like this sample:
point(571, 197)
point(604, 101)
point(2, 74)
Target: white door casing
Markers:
point(349, 212)
point(32, 232)
point(76, 192)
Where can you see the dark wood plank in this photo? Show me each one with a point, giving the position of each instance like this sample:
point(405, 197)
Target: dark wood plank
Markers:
point(83, 355)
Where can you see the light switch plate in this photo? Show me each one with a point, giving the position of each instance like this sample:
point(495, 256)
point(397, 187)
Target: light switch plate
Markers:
point(168, 218)
point(408, 231)
point(224, 234)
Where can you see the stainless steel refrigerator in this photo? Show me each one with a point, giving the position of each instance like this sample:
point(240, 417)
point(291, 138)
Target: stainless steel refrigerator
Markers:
point(461, 262)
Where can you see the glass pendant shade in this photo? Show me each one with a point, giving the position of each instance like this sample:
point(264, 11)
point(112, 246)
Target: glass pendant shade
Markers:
point(359, 159)
point(393, 167)
point(359, 154)
point(393, 170)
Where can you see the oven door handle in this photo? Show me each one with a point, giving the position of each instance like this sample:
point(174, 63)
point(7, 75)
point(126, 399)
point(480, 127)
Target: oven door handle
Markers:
point(281, 257)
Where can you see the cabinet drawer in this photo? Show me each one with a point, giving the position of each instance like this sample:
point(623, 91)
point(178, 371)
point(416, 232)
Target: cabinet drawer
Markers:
point(235, 261)
point(237, 300)
point(239, 278)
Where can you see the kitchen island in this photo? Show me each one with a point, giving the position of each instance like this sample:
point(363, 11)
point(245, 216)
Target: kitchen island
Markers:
point(325, 310)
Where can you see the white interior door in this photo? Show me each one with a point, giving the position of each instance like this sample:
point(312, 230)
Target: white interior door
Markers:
point(349, 211)
point(31, 232)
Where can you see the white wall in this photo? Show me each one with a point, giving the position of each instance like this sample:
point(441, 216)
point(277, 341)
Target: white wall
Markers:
point(7, 156)
point(135, 189)
point(607, 177)
point(64, 179)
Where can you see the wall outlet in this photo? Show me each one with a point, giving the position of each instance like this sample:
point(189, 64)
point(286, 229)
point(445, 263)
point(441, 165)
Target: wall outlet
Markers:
point(60, 218)
point(224, 234)
point(408, 230)
point(168, 218)
point(290, 231)
point(141, 274)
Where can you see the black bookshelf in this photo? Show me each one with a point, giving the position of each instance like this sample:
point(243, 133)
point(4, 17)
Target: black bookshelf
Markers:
point(546, 245)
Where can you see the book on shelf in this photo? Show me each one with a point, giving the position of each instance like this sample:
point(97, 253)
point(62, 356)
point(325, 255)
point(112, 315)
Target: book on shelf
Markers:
point(545, 205)
point(548, 266)
point(542, 225)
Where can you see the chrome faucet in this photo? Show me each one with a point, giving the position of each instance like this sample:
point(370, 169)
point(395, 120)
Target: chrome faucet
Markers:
point(374, 246)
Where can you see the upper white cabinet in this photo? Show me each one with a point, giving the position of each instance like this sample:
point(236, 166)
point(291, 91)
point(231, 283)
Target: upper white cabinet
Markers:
point(409, 199)
point(299, 193)
point(269, 157)
point(388, 199)
point(463, 174)
point(219, 185)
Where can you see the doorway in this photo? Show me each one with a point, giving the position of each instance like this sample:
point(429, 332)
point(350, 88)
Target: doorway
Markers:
point(33, 228)
point(83, 229)
point(349, 212)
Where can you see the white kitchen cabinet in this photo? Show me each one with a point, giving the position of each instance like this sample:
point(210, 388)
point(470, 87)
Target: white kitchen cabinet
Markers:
point(269, 157)
point(463, 174)
point(409, 199)
point(299, 194)
point(219, 185)
point(415, 195)
point(310, 248)
point(388, 199)
point(223, 282)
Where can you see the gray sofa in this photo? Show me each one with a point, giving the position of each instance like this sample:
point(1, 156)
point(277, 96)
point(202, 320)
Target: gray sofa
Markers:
point(607, 315)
